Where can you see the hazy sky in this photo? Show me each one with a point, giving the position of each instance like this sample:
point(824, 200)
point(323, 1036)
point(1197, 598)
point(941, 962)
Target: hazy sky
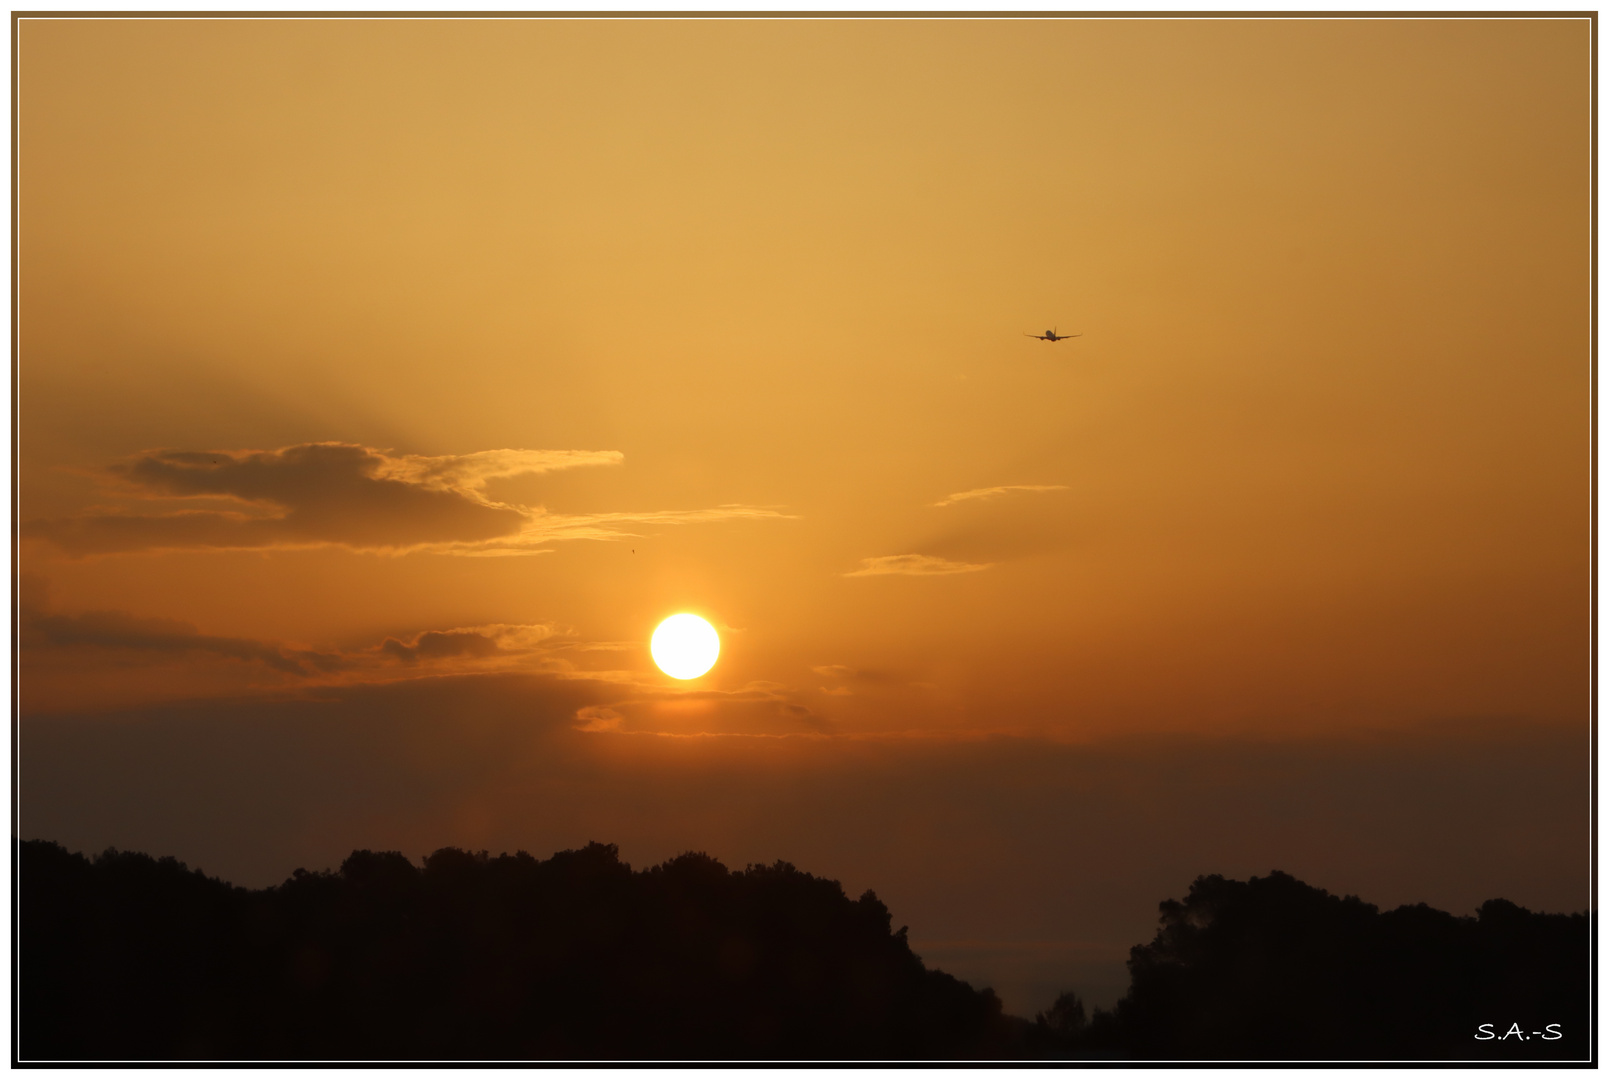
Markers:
point(383, 383)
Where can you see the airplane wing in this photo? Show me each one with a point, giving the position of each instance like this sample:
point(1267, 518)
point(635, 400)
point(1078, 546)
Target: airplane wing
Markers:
point(1037, 337)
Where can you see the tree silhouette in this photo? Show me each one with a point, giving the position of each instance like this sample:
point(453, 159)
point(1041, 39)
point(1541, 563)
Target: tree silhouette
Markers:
point(1274, 969)
point(472, 958)
point(577, 957)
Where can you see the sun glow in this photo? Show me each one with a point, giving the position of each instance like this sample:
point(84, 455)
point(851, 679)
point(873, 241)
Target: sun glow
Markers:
point(685, 646)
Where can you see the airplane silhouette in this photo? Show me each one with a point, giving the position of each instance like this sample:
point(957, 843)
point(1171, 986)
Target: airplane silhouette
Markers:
point(1051, 335)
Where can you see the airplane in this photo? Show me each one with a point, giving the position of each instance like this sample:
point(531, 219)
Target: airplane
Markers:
point(1051, 335)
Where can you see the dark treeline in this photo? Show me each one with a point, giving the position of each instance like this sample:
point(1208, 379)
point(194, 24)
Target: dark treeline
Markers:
point(470, 957)
point(1274, 969)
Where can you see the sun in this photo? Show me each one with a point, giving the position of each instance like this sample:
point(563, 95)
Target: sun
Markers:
point(685, 646)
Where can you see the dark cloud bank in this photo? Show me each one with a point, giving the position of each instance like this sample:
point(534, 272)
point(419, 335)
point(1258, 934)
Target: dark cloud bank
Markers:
point(1023, 864)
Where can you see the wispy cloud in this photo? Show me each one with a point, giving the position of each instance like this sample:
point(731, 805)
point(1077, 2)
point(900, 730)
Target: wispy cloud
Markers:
point(165, 637)
point(994, 492)
point(914, 565)
point(544, 527)
point(471, 472)
point(597, 719)
point(757, 708)
point(492, 647)
point(357, 497)
point(498, 640)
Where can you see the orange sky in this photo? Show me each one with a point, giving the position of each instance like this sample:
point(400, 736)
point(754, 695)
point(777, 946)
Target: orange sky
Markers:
point(411, 357)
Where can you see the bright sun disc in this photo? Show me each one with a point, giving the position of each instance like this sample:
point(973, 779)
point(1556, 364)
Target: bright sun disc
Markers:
point(685, 646)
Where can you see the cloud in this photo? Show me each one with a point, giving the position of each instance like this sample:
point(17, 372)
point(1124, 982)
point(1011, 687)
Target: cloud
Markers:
point(118, 630)
point(850, 681)
point(545, 527)
point(471, 472)
point(472, 643)
point(343, 494)
point(845, 673)
point(758, 708)
point(915, 565)
point(63, 639)
point(993, 492)
point(436, 644)
point(597, 718)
